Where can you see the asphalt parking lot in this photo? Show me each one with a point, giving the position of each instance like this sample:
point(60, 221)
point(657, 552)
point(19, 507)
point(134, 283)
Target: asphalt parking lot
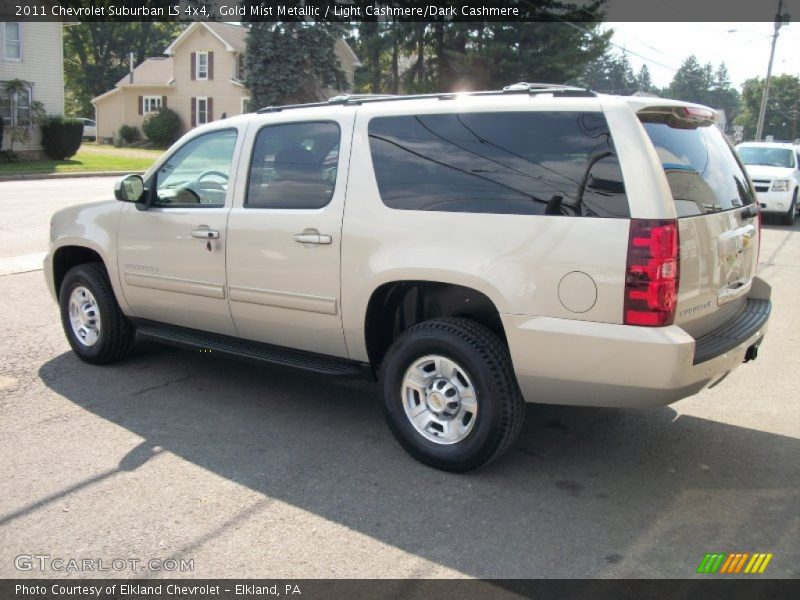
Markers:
point(258, 471)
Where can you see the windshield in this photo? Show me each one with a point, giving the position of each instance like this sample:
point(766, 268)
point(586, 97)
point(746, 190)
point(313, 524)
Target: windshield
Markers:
point(701, 168)
point(768, 157)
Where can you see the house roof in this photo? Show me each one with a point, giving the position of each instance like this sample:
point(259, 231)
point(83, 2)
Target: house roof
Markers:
point(156, 71)
point(233, 37)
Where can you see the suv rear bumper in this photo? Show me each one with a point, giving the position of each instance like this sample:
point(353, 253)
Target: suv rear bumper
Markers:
point(560, 361)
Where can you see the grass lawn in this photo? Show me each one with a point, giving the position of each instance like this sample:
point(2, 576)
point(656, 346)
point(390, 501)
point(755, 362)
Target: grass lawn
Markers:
point(90, 157)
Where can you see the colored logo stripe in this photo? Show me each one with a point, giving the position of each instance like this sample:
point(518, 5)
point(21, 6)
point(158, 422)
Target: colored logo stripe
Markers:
point(710, 563)
point(758, 563)
point(734, 562)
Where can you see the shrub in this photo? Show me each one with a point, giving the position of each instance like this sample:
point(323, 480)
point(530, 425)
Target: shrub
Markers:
point(2, 127)
point(61, 136)
point(8, 156)
point(128, 134)
point(162, 127)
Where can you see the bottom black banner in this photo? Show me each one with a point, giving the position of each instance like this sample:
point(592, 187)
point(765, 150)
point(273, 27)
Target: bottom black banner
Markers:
point(395, 589)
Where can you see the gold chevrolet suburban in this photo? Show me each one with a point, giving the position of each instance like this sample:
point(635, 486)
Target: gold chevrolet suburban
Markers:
point(474, 251)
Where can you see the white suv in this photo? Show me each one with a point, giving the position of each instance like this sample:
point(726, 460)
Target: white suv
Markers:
point(474, 251)
point(774, 168)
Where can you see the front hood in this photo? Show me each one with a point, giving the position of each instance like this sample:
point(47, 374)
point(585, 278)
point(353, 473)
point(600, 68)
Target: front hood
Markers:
point(765, 172)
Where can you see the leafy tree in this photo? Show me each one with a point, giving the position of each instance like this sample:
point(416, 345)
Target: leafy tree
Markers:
point(292, 62)
point(20, 132)
point(722, 94)
point(705, 85)
point(441, 56)
point(96, 56)
point(644, 82)
point(611, 73)
point(781, 119)
point(691, 82)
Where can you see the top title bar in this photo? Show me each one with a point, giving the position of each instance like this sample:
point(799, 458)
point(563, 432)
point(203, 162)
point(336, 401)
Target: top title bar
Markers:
point(395, 10)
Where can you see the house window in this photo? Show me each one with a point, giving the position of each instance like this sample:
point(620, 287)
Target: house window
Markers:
point(238, 68)
point(16, 111)
point(151, 103)
point(202, 65)
point(12, 36)
point(202, 111)
point(245, 105)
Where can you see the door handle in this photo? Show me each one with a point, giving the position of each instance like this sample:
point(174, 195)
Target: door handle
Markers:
point(308, 237)
point(205, 234)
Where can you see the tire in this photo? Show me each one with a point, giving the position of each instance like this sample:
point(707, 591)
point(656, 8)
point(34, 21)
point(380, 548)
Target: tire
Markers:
point(97, 330)
point(490, 410)
point(788, 218)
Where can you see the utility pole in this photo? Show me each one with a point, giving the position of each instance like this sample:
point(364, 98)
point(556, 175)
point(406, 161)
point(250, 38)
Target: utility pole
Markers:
point(780, 20)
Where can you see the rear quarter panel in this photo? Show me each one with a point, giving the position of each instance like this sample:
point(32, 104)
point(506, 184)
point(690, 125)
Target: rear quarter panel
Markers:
point(515, 260)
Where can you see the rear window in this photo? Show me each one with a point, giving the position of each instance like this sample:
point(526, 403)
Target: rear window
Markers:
point(701, 167)
point(528, 163)
point(768, 157)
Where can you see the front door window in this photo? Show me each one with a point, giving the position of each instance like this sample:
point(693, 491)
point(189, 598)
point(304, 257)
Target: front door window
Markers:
point(197, 174)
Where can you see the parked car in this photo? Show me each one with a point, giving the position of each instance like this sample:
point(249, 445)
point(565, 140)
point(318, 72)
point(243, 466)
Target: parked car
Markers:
point(472, 251)
point(774, 168)
point(89, 129)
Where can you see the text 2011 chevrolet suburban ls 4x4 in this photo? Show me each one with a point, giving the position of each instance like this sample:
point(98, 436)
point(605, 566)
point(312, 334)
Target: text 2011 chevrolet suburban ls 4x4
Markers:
point(475, 251)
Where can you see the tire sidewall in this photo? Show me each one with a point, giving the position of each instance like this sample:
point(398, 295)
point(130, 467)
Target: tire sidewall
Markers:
point(484, 433)
point(77, 278)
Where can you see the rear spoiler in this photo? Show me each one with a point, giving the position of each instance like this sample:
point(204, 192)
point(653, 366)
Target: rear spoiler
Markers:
point(680, 117)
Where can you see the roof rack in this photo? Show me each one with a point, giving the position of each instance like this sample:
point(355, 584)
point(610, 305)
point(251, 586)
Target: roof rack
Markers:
point(517, 88)
point(547, 88)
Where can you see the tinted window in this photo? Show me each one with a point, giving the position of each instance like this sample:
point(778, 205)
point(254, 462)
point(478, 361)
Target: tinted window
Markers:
point(530, 163)
point(701, 167)
point(197, 174)
point(294, 166)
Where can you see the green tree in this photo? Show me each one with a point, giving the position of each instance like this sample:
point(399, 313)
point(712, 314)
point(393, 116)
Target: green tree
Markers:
point(96, 56)
point(782, 120)
point(292, 62)
point(442, 56)
point(644, 82)
point(691, 82)
point(611, 73)
point(722, 94)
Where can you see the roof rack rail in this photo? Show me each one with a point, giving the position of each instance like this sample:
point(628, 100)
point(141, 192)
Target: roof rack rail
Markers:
point(517, 88)
point(358, 97)
point(525, 87)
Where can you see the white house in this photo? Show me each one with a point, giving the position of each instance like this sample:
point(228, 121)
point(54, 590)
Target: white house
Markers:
point(33, 52)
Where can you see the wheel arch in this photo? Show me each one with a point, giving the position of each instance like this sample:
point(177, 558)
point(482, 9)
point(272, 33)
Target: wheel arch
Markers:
point(395, 306)
point(71, 255)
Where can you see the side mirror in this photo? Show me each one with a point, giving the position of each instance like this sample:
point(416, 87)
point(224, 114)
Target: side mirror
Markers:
point(129, 188)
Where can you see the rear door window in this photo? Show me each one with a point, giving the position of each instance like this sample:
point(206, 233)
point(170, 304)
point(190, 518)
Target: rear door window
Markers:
point(529, 163)
point(701, 167)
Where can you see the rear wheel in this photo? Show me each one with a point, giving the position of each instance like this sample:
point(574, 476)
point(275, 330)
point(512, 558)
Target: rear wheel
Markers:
point(450, 395)
point(94, 324)
point(788, 218)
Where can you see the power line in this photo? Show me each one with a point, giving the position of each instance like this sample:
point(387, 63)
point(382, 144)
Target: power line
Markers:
point(642, 56)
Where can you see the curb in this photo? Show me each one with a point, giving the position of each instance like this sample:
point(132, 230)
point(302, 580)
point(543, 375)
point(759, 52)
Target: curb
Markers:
point(27, 176)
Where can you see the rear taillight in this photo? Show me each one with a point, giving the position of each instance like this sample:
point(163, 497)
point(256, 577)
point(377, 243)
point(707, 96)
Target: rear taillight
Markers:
point(651, 276)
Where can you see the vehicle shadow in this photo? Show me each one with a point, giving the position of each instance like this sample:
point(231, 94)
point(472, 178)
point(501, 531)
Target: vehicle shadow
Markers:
point(583, 493)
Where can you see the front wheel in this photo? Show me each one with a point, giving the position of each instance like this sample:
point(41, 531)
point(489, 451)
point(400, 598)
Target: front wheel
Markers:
point(450, 395)
point(94, 324)
point(788, 218)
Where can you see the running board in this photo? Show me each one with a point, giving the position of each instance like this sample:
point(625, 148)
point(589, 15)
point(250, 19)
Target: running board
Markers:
point(247, 350)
